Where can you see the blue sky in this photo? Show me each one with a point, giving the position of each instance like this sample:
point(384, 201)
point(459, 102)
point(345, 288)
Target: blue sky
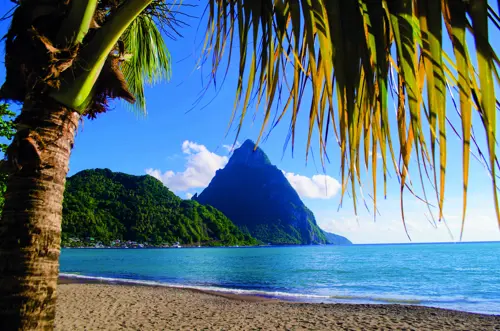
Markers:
point(183, 142)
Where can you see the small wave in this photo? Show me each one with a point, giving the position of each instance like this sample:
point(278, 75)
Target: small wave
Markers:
point(275, 294)
point(470, 269)
point(369, 298)
point(408, 301)
point(195, 287)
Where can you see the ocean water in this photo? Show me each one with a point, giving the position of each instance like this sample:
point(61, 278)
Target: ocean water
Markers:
point(463, 277)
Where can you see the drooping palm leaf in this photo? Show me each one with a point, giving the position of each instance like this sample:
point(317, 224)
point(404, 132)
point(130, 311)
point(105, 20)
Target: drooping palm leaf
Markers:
point(344, 51)
point(147, 59)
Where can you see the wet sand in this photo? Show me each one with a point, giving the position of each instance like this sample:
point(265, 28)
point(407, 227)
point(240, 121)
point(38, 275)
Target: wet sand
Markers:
point(104, 306)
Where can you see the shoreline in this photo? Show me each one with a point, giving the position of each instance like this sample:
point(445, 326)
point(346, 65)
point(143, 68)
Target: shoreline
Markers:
point(228, 294)
point(65, 280)
point(103, 305)
point(259, 295)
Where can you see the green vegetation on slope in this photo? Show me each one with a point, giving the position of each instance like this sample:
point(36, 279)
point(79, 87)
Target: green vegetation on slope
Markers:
point(106, 206)
point(335, 239)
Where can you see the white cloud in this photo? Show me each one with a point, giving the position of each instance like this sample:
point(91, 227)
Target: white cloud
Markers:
point(201, 165)
point(189, 195)
point(231, 148)
point(315, 187)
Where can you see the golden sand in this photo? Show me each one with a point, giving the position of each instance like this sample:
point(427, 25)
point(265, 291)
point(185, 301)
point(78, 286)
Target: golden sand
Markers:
point(123, 307)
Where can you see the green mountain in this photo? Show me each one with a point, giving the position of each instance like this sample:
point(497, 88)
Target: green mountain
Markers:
point(107, 205)
point(335, 239)
point(258, 198)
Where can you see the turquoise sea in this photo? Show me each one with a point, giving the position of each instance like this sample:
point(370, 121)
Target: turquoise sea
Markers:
point(462, 276)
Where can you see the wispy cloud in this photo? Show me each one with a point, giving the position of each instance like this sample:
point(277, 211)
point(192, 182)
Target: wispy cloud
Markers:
point(231, 148)
point(480, 224)
point(379, 156)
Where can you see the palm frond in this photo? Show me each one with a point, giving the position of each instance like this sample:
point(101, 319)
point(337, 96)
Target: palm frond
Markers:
point(146, 57)
point(343, 52)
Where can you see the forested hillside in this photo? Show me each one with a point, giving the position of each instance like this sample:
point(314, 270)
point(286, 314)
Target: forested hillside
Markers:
point(106, 206)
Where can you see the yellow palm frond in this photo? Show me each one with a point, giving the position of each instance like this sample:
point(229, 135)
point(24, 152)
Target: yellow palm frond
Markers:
point(344, 52)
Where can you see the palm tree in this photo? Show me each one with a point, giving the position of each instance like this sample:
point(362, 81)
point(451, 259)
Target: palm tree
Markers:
point(66, 59)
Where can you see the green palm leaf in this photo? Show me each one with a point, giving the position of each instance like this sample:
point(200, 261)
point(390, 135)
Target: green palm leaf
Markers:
point(147, 59)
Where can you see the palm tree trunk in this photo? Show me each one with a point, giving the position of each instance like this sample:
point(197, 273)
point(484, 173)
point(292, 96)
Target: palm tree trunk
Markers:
point(30, 227)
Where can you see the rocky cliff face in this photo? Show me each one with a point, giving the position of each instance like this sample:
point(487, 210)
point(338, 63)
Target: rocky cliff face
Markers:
point(257, 197)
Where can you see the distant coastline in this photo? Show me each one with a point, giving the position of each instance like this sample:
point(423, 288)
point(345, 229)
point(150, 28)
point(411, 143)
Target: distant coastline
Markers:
point(148, 246)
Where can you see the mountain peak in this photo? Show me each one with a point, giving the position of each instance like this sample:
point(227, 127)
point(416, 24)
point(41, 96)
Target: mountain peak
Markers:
point(257, 197)
point(248, 155)
point(248, 144)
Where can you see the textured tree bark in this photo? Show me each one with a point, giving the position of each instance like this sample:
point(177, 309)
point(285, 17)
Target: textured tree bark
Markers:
point(30, 228)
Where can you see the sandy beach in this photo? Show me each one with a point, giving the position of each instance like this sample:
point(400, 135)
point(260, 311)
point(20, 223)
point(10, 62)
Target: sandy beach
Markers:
point(101, 306)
